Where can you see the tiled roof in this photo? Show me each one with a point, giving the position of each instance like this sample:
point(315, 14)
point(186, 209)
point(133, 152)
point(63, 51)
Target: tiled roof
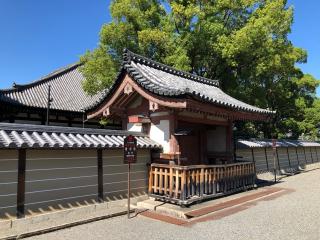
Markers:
point(261, 143)
point(66, 91)
point(35, 137)
point(167, 81)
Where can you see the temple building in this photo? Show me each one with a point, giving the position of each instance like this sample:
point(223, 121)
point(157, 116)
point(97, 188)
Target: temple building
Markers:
point(28, 103)
point(190, 116)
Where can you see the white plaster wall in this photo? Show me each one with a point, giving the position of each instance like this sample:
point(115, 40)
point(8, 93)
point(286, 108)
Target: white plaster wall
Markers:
point(216, 139)
point(134, 127)
point(161, 134)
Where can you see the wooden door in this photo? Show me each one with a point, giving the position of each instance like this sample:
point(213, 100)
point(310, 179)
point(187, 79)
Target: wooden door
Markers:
point(189, 145)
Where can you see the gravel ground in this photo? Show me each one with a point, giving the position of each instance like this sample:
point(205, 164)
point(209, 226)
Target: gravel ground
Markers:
point(292, 216)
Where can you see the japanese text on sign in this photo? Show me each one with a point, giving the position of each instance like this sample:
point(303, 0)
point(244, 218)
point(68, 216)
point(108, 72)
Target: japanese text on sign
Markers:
point(130, 149)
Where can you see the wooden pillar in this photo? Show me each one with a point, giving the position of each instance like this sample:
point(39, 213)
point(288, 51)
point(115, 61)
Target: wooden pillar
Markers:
point(203, 147)
point(124, 122)
point(278, 159)
point(254, 161)
point(288, 157)
point(100, 175)
point(297, 156)
point(311, 154)
point(266, 156)
point(305, 156)
point(21, 183)
point(174, 141)
point(229, 137)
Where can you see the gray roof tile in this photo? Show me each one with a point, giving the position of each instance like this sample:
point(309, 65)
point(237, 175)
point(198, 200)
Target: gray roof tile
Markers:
point(66, 90)
point(167, 81)
point(262, 143)
point(35, 137)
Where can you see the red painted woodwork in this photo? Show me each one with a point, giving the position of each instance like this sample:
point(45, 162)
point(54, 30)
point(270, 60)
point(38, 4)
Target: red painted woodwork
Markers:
point(161, 101)
point(138, 119)
point(155, 102)
point(190, 146)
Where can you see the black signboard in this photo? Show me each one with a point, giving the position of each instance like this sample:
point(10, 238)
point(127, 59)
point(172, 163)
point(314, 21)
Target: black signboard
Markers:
point(130, 149)
point(130, 156)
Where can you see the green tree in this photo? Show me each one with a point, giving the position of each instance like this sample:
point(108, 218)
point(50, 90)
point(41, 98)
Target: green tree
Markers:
point(242, 43)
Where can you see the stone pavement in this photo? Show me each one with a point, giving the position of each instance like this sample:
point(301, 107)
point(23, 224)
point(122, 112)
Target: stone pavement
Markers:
point(35, 223)
point(293, 214)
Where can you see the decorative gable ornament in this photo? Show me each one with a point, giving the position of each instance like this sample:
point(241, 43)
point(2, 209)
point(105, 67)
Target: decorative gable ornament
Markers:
point(128, 89)
point(153, 106)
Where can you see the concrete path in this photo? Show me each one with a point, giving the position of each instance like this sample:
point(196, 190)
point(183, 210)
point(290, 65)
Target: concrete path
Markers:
point(294, 215)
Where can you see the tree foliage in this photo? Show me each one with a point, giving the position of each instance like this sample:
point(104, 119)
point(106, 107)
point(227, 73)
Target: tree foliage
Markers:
point(242, 43)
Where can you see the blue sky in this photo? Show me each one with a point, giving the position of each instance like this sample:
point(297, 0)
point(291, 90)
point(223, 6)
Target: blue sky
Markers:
point(39, 36)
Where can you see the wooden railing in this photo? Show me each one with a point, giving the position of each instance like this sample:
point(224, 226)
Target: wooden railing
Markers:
point(187, 184)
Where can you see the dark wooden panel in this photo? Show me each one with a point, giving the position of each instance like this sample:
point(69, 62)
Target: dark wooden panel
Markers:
point(21, 182)
point(100, 174)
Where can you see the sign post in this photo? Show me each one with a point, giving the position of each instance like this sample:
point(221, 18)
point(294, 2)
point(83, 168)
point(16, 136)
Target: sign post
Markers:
point(130, 156)
point(274, 145)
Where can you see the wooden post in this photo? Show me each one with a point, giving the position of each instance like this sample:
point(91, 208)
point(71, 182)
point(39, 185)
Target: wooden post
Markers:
point(305, 156)
point(278, 158)
point(160, 181)
point(129, 189)
point(311, 154)
point(177, 183)
point(170, 181)
point(165, 181)
point(201, 182)
point(21, 183)
point(214, 180)
point(297, 156)
point(229, 137)
point(183, 185)
point(266, 156)
point(289, 160)
point(150, 180)
point(316, 153)
point(254, 162)
point(274, 149)
point(100, 175)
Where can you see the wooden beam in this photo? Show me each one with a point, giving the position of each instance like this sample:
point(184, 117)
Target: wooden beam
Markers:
point(225, 112)
point(200, 121)
point(138, 119)
point(21, 183)
point(100, 175)
point(163, 101)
